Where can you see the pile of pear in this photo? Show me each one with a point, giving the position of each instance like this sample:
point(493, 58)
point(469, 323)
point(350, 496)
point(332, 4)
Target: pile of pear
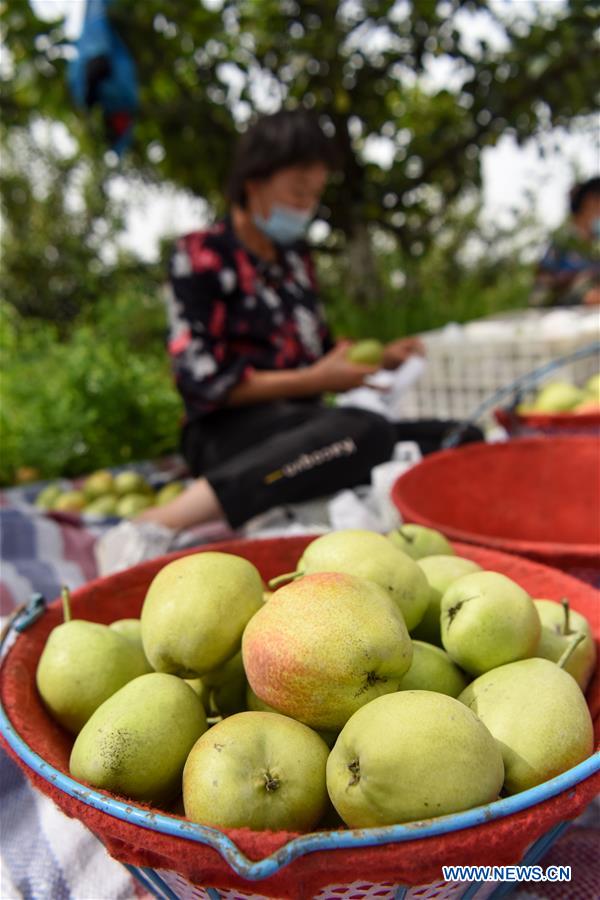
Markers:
point(386, 680)
point(564, 397)
point(104, 494)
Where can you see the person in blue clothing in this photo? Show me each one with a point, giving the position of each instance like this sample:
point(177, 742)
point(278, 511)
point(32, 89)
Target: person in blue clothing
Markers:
point(569, 272)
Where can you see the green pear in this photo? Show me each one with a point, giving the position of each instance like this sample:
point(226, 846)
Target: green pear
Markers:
point(557, 396)
point(102, 506)
point(330, 737)
point(257, 770)
point(368, 352)
point(132, 630)
point(137, 742)
point(82, 664)
point(195, 611)
point(417, 541)
point(432, 669)
point(592, 391)
point(592, 385)
point(132, 504)
point(488, 620)
point(129, 482)
point(538, 715)
point(587, 406)
point(168, 492)
point(129, 628)
point(255, 704)
point(70, 501)
point(559, 624)
point(412, 755)
point(366, 554)
point(526, 409)
point(48, 496)
point(197, 685)
point(98, 484)
point(440, 571)
point(325, 645)
point(226, 687)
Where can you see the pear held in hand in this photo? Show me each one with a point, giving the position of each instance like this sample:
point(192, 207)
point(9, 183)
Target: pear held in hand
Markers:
point(82, 664)
point(488, 620)
point(412, 755)
point(137, 742)
point(195, 611)
point(368, 352)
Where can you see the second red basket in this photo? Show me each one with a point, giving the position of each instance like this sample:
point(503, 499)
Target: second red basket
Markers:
point(538, 497)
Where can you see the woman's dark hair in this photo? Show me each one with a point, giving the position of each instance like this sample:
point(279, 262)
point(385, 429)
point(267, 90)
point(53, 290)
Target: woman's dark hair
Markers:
point(581, 191)
point(286, 138)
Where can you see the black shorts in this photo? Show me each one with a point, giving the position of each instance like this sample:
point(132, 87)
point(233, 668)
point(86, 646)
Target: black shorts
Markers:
point(259, 456)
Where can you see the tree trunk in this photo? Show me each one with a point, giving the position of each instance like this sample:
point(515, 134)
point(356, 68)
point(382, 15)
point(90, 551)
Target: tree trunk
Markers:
point(362, 284)
point(362, 281)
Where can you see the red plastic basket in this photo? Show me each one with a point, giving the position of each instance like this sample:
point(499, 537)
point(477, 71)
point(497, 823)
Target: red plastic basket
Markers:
point(559, 424)
point(416, 861)
point(538, 497)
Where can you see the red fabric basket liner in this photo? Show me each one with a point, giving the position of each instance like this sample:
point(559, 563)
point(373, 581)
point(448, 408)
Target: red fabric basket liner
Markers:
point(534, 496)
point(416, 862)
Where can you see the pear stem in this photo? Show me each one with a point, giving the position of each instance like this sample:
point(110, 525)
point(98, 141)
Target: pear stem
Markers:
point(281, 579)
point(578, 637)
point(567, 610)
point(66, 603)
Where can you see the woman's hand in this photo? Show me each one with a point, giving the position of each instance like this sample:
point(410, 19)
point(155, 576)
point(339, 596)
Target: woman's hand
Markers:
point(397, 352)
point(334, 372)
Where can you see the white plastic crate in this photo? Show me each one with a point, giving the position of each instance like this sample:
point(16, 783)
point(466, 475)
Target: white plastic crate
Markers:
point(467, 363)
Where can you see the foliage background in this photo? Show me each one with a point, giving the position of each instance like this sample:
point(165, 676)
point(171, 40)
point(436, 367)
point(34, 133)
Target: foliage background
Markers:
point(85, 381)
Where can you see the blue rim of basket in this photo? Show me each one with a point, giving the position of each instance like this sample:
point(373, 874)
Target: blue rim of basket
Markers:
point(297, 847)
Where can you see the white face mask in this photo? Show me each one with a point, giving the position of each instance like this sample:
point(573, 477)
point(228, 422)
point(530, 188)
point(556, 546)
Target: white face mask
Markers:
point(284, 225)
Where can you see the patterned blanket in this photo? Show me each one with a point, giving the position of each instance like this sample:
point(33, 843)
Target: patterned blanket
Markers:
point(47, 856)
